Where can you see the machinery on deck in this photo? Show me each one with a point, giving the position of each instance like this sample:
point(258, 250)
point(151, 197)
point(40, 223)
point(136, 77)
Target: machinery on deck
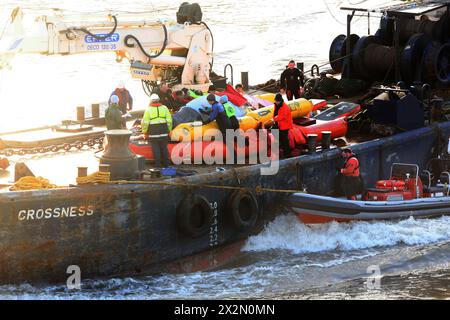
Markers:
point(412, 45)
point(179, 53)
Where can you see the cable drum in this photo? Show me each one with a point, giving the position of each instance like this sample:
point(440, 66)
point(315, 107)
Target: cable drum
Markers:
point(360, 65)
point(436, 65)
point(412, 56)
point(438, 30)
point(338, 50)
point(378, 61)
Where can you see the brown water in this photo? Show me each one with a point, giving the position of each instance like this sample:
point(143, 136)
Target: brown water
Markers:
point(288, 260)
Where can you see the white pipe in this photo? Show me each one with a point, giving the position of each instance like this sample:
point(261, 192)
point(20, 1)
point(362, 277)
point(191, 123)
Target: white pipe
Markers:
point(168, 61)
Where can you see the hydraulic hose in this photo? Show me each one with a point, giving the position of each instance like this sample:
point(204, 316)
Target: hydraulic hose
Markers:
point(95, 36)
point(136, 40)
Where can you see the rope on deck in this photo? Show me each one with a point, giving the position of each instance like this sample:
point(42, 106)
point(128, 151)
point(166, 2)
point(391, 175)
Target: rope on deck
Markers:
point(257, 189)
point(96, 177)
point(32, 183)
point(36, 183)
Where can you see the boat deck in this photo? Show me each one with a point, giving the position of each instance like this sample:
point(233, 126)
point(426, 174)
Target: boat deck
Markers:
point(61, 168)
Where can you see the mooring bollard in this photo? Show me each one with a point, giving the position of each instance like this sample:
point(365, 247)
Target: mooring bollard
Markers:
point(95, 110)
point(326, 140)
point(80, 114)
point(312, 143)
point(244, 80)
point(123, 164)
point(82, 172)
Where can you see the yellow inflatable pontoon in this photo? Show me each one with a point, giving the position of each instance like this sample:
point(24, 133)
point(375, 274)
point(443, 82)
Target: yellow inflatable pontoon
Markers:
point(194, 131)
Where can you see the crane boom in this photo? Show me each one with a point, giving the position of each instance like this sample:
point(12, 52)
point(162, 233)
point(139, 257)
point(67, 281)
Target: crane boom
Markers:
point(158, 51)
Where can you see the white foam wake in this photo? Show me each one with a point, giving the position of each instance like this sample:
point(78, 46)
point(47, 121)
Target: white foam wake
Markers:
point(286, 232)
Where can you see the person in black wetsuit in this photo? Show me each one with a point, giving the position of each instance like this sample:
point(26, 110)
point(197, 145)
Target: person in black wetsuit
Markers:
point(291, 81)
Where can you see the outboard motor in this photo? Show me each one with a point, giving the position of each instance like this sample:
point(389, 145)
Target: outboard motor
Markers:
point(190, 13)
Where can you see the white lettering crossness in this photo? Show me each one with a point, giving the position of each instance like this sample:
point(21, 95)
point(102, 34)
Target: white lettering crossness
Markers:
point(55, 213)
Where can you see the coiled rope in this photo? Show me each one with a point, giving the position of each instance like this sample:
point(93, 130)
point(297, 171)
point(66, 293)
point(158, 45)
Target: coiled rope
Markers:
point(32, 183)
point(96, 177)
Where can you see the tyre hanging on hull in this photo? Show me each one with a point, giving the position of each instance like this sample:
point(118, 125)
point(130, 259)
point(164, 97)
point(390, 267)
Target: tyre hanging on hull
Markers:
point(243, 210)
point(194, 216)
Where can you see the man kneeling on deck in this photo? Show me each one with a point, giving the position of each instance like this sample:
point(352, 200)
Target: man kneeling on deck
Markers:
point(351, 180)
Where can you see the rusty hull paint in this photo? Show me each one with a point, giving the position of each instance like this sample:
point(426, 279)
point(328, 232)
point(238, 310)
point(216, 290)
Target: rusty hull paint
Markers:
point(133, 229)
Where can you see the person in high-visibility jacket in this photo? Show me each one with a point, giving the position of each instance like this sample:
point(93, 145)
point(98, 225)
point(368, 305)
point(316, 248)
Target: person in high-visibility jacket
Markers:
point(156, 125)
point(230, 111)
point(351, 178)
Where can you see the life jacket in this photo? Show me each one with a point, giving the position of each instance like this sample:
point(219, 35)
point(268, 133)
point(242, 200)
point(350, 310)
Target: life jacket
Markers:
point(229, 110)
point(192, 94)
point(351, 167)
point(157, 121)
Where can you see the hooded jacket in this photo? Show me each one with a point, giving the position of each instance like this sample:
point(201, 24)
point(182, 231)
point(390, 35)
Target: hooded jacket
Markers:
point(283, 117)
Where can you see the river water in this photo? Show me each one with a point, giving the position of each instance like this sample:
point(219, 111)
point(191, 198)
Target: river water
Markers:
point(288, 260)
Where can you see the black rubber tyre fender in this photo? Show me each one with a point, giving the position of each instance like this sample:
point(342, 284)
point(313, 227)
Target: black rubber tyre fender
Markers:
point(243, 209)
point(194, 215)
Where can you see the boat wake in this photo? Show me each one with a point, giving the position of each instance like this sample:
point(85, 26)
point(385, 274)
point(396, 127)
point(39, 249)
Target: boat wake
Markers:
point(288, 259)
point(287, 233)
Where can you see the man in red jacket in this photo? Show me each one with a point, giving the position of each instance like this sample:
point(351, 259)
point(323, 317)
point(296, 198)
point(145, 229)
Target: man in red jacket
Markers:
point(283, 119)
point(351, 179)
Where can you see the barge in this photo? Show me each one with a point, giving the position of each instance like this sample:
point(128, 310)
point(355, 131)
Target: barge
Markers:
point(196, 222)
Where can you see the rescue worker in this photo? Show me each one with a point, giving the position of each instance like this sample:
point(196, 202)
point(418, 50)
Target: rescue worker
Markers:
point(125, 98)
point(231, 112)
point(292, 81)
point(283, 122)
point(240, 88)
point(165, 95)
point(156, 125)
point(218, 114)
point(351, 180)
point(212, 89)
point(113, 115)
point(250, 100)
point(194, 94)
point(179, 100)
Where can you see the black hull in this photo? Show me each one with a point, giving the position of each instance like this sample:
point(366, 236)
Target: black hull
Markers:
point(132, 229)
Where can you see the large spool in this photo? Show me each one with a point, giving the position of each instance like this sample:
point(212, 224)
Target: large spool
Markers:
point(422, 59)
point(338, 50)
point(437, 30)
